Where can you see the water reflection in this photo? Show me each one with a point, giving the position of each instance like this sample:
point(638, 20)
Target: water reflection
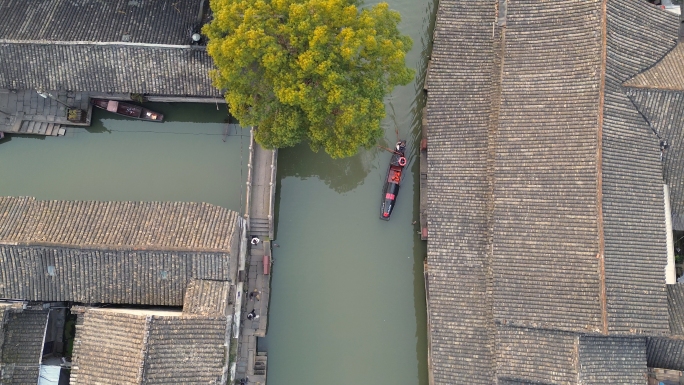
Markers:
point(341, 175)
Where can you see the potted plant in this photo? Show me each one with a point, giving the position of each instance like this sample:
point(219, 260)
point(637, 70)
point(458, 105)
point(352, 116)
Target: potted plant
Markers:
point(75, 115)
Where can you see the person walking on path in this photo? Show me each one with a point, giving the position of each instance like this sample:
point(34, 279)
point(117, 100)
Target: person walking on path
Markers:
point(252, 315)
point(255, 241)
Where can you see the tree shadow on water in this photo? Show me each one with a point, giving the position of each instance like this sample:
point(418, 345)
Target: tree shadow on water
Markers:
point(341, 175)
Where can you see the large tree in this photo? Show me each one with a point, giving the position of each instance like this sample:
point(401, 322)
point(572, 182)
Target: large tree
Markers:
point(308, 70)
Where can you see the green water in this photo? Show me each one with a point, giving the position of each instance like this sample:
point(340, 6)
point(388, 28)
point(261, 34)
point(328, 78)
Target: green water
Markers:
point(348, 300)
point(348, 304)
point(182, 159)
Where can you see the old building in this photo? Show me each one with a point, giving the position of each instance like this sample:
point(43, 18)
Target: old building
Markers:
point(116, 47)
point(548, 231)
point(152, 284)
point(21, 342)
point(133, 346)
point(141, 253)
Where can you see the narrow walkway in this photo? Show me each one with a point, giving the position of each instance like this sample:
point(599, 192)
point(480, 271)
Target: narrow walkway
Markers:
point(251, 363)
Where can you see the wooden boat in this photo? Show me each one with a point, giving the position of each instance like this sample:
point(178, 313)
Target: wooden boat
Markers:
point(128, 110)
point(393, 180)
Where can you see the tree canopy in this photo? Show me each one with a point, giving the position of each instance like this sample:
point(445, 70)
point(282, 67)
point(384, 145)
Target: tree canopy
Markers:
point(308, 70)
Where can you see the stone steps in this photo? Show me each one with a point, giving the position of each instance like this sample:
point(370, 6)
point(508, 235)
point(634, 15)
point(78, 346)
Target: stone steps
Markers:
point(38, 128)
point(259, 226)
point(260, 363)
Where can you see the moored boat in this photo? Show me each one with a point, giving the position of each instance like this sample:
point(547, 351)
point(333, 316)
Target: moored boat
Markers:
point(128, 110)
point(393, 180)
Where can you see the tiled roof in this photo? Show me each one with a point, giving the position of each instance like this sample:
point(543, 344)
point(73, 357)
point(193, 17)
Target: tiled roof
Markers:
point(106, 68)
point(675, 302)
point(113, 347)
point(458, 118)
point(21, 346)
point(112, 252)
point(540, 356)
point(537, 356)
point(545, 191)
point(633, 198)
point(186, 350)
point(108, 346)
point(206, 297)
point(664, 112)
point(143, 21)
point(667, 74)
point(666, 353)
point(118, 225)
point(612, 360)
point(106, 276)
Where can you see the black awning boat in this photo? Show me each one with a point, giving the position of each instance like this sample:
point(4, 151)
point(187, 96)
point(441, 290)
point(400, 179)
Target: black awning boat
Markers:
point(393, 180)
point(128, 110)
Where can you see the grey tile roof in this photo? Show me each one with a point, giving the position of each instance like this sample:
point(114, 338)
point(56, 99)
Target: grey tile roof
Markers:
point(545, 191)
point(541, 356)
point(458, 117)
point(207, 297)
point(22, 346)
point(537, 356)
point(106, 276)
point(675, 302)
point(107, 346)
point(666, 74)
point(666, 353)
point(510, 381)
point(612, 360)
point(539, 199)
point(112, 252)
point(664, 112)
point(118, 225)
point(186, 350)
point(113, 347)
point(144, 21)
point(633, 199)
point(106, 68)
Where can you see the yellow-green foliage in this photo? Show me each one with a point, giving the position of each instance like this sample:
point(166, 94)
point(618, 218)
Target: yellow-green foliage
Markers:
point(313, 70)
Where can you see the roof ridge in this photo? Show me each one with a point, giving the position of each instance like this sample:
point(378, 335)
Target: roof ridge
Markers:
point(144, 351)
point(103, 43)
point(599, 168)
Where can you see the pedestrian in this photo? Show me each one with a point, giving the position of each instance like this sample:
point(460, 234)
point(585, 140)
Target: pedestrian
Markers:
point(252, 315)
point(255, 240)
point(251, 295)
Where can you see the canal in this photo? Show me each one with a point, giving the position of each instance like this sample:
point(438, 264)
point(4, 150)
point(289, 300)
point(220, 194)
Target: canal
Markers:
point(182, 159)
point(348, 302)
